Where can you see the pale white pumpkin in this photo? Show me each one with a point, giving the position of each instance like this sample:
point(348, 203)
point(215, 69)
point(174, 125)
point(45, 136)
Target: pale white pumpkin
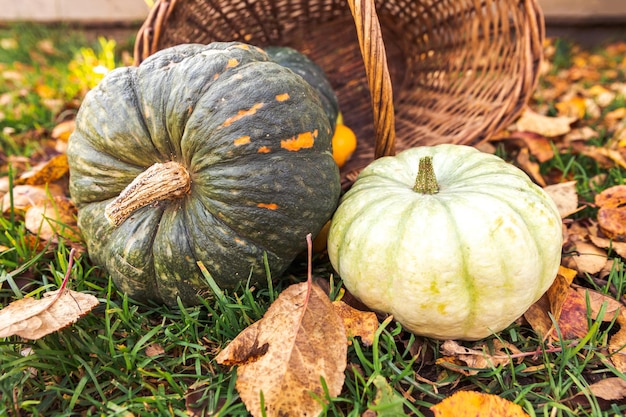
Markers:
point(461, 263)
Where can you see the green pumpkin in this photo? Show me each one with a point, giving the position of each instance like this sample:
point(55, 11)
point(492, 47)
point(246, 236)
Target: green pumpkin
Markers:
point(312, 73)
point(208, 153)
point(460, 254)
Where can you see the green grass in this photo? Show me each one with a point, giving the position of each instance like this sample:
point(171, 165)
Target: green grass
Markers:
point(126, 358)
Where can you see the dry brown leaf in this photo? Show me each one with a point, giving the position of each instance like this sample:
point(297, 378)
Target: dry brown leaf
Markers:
point(565, 196)
point(605, 243)
point(538, 316)
point(19, 164)
point(46, 172)
point(601, 95)
point(607, 391)
point(357, 323)
point(48, 219)
point(577, 231)
point(583, 133)
point(481, 357)
point(538, 146)
point(25, 196)
point(596, 182)
point(550, 127)
point(63, 130)
point(606, 157)
point(612, 265)
point(198, 399)
point(615, 116)
point(612, 212)
point(599, 301)
point(472, 404)
point(32, 318)
point(572, 320)
point(564, 304)
point(154, 349)
point(568, 307)
point(617, 344)
point(589, 258)
point(530, 167)
point(283, 356)
point(601, 241)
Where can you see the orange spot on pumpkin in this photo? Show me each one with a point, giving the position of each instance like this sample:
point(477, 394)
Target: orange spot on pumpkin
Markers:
point(216, 76)
point(301, 141)
point(241, 114)
point(270, 206)
point(282, 97)
point(242, 140)
point(243, 46)
point(264, 149)
point(232, 63)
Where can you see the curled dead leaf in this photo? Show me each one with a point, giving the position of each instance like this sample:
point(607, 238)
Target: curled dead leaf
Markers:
point(612, 212)
point(481, 357)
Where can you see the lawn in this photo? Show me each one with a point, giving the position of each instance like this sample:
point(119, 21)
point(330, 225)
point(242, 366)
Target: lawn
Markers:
point(129, 359)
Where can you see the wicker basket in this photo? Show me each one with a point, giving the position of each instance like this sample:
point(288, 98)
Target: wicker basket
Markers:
point(460, 69)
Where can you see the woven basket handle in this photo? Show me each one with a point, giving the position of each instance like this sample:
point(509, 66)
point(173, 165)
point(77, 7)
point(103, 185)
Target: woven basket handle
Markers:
point(375, 59)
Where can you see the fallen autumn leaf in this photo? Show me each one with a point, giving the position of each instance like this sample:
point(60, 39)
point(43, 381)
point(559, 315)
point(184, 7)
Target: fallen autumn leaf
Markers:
point(473, 404)
point(283, 357)
point(33, 318)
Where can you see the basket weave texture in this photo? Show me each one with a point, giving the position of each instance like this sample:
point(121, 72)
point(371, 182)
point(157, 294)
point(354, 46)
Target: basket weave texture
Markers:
point(406, 72)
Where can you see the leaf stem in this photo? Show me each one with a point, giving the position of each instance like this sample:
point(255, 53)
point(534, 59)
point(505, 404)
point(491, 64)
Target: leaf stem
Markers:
point(309, 269)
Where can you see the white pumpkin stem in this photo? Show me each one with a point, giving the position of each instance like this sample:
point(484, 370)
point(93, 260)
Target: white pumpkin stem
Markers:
point(426, 181)
point(167, 181)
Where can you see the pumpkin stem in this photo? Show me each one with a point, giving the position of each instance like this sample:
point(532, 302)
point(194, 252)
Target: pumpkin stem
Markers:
point(167, 181)
point(426, 181)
